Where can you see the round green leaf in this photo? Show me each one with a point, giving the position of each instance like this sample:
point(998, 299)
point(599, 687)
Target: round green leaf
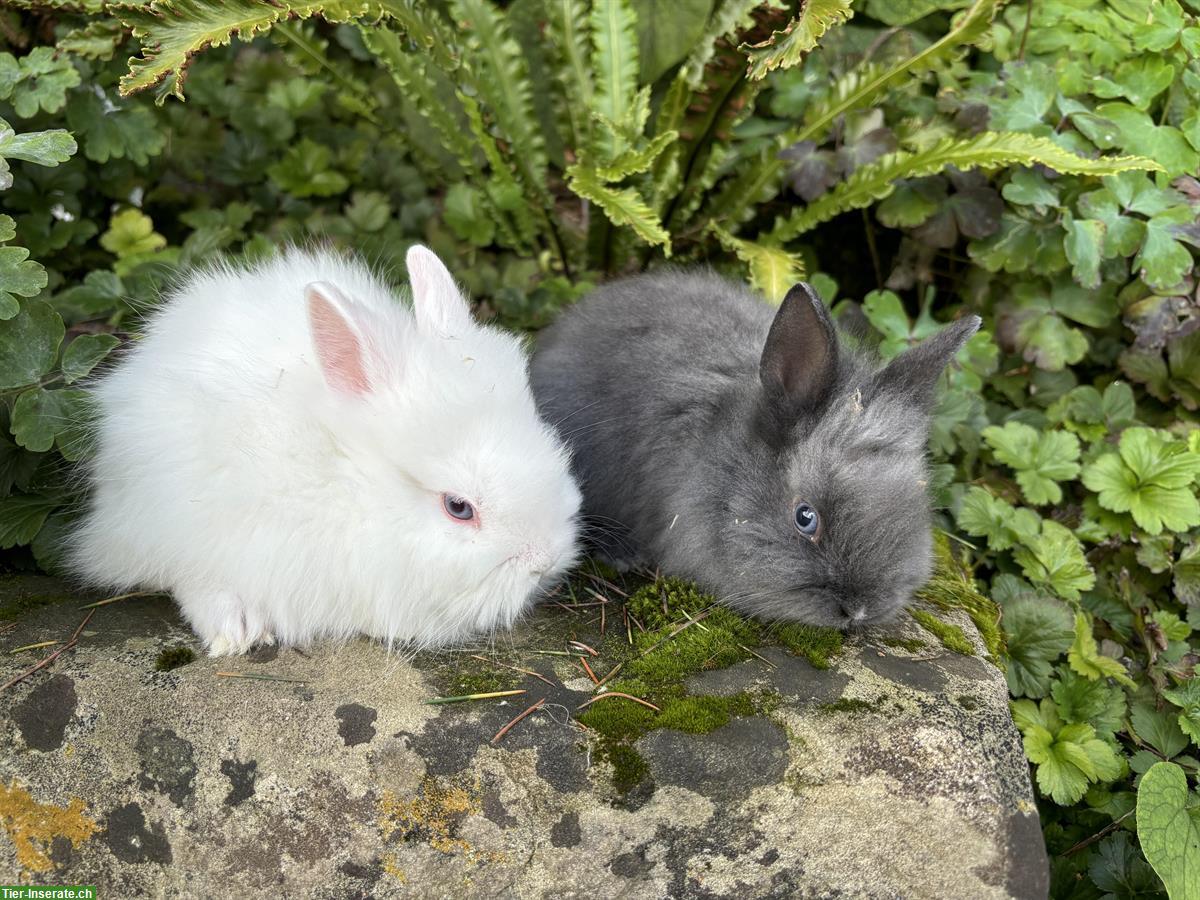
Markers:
point(29, 344)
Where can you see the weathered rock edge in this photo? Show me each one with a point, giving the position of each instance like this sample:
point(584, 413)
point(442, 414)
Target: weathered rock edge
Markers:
point(895, 773)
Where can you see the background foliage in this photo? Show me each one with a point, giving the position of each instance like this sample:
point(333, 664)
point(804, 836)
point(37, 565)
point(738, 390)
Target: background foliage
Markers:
point(1034, 162)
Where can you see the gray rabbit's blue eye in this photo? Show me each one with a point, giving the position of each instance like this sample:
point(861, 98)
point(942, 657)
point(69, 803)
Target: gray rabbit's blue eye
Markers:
point(458, 508)
point(808, 521)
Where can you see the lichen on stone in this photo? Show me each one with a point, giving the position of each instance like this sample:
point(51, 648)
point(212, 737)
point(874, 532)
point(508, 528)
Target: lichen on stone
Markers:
point(432, 817)
point(32, 827)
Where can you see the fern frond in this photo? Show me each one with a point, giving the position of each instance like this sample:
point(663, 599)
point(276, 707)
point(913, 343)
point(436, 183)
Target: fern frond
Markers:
point(746, 188)
point(526, 228)
point(731, 17)
point(773, 270)
point(501, 79)
point(761, 182)
point(989, 150)
point(622, 206)
point(787, 48)
point(569, 49)
point(98, 39)
point(968, 28)
point(172, 31)
point(615, 48)
point(420, 89)
point(636, 159)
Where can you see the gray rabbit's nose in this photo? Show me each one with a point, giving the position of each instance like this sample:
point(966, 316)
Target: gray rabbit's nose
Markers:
point(855, 610)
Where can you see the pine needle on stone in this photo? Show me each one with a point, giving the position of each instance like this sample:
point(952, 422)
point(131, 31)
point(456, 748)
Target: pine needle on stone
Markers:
point(507, 728)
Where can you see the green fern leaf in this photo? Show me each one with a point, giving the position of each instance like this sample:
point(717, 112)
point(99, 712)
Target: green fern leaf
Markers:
point(989, 150)
point(967, 29)
point(501, 79)
point(764, 179)
point(787, 48)
point(420, 89)
point(568, 44)
point(524, 236)
point(773, 270)
point(615, 48)
point(636, 159)
point(172, 31)
point(622, 206)
point(731, 17)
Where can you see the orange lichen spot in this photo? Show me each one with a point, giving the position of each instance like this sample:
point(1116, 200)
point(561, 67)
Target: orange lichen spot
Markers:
point(391, 867)
point(432, 816)
point(32, 826)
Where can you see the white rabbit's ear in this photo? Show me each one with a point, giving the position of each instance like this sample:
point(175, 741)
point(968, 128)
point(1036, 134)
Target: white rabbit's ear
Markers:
point(337, 338)
point(439, 306)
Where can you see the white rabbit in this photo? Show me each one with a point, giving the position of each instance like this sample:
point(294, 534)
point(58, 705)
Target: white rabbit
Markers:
point(294, 454)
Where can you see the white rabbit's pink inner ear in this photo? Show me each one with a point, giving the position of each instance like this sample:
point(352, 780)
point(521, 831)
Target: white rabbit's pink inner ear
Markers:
point(439, 306)
point(339, 345)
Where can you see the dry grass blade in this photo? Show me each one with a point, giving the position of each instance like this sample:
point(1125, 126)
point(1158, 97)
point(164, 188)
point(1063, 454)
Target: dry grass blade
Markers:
point(36, 646)
point(580, 645)
point(251, 676)
point(688, 624)
point(597, 595)
point(42, 663)
point(608, 677)
point(759, 655)
point(507, 728)
point(120, 597)
point(607, 584)
point(468, 697)
point(622, 696)
point(515, 669)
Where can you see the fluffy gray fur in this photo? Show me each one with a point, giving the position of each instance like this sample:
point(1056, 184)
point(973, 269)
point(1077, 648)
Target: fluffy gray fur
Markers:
point(699, 417)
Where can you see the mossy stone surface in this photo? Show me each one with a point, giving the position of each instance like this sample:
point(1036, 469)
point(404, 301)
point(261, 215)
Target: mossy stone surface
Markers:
point(780, 761)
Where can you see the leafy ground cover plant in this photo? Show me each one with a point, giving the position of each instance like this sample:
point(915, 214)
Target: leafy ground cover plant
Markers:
point(1032, 161)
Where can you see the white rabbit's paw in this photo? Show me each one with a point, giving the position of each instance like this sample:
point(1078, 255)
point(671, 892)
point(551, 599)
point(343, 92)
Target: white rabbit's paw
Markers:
point(228, 626)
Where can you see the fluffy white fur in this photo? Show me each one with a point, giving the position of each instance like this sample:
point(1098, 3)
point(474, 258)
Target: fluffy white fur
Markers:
point(280, 493)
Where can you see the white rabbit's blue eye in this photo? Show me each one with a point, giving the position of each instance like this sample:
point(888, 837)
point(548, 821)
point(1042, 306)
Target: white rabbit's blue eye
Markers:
point(808, 521)
point(458, 508)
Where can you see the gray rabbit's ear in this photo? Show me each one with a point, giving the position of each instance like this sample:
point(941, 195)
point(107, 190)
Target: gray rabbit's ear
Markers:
point(799, 361)
point(913, 375)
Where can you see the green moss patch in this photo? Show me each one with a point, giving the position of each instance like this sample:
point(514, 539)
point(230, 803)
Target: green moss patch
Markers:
point(629, 767)
point(816, 644)
point(952, 587)
point(470, 676)
point(682, 632)
point(849, 705)
point(951, 636)
point(912, 645)
point(174, 657)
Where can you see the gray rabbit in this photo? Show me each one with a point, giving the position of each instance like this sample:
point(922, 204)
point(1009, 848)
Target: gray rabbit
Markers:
point(745, 448)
